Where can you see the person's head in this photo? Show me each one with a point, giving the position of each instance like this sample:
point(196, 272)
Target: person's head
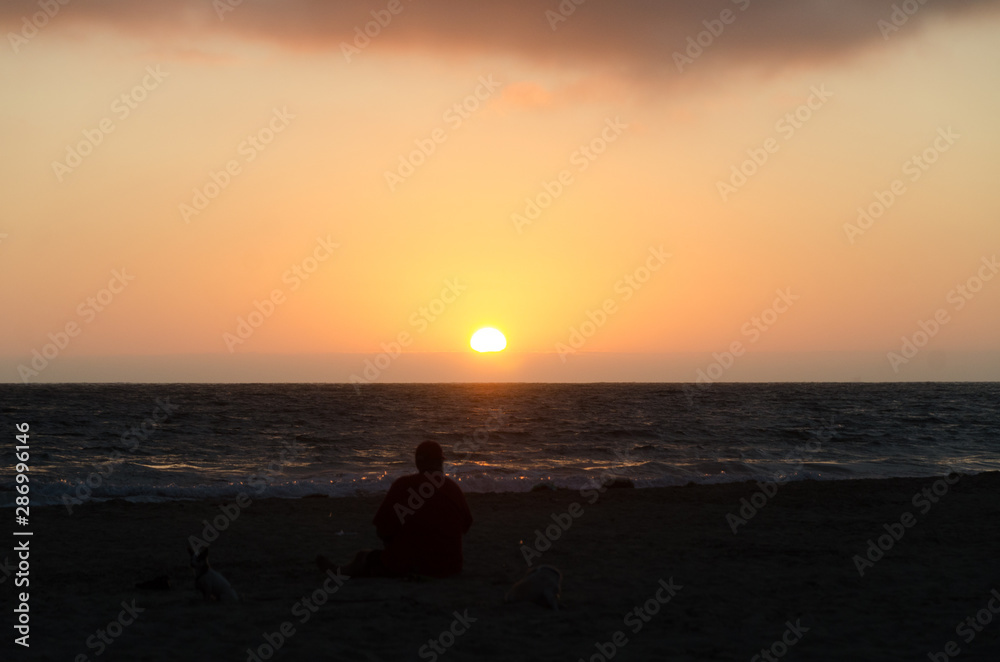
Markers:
point(429, 456)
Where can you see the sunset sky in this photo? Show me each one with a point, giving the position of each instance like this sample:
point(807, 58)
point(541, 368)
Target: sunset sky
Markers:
point(174, 171)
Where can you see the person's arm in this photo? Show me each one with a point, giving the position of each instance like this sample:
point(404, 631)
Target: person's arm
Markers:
point(464, 514)
point(386, 521)
point(385, 532)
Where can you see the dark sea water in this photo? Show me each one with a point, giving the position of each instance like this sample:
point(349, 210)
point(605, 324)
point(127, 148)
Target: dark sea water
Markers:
point(190, 441)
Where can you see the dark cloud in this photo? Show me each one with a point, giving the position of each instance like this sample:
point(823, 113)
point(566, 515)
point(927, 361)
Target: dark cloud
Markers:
point(639, 35)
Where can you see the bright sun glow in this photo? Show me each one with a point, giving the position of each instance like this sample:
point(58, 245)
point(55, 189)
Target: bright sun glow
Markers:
point(488, 340)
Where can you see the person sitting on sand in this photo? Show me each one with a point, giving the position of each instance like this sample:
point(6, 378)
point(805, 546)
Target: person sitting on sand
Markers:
point(420, 522)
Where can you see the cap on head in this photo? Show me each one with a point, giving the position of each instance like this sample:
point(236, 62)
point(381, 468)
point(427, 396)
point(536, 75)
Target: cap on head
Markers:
point(429, 456)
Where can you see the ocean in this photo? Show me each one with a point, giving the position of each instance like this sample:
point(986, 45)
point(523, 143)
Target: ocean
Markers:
point(165, 442)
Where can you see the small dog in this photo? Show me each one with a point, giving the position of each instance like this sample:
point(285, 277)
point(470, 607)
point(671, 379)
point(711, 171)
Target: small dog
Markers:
point(541, 586)
point(211, 583)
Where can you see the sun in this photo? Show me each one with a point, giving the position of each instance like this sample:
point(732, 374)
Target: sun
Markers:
point(488, 339)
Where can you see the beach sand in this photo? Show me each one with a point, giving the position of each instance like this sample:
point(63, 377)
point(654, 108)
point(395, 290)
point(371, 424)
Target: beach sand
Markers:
point(792, 564)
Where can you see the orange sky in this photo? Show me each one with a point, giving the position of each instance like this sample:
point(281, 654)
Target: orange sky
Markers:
point(172, 175)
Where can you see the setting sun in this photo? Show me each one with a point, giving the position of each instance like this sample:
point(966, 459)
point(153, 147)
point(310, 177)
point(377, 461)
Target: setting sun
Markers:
point(488, 340)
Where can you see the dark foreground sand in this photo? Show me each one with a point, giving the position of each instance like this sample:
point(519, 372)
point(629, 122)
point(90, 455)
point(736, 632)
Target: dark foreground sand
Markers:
point(790, 564)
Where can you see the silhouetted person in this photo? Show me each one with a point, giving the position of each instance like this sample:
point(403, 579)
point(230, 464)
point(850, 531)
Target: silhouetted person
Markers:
point(420, 522)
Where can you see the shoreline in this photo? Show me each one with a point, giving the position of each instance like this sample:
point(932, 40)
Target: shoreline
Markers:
point(537, 486)
point(793, 560)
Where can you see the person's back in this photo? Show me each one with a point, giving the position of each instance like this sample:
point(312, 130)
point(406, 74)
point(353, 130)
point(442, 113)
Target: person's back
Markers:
point(421, 522)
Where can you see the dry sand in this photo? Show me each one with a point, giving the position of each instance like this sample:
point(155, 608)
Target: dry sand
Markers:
point(792, 562)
